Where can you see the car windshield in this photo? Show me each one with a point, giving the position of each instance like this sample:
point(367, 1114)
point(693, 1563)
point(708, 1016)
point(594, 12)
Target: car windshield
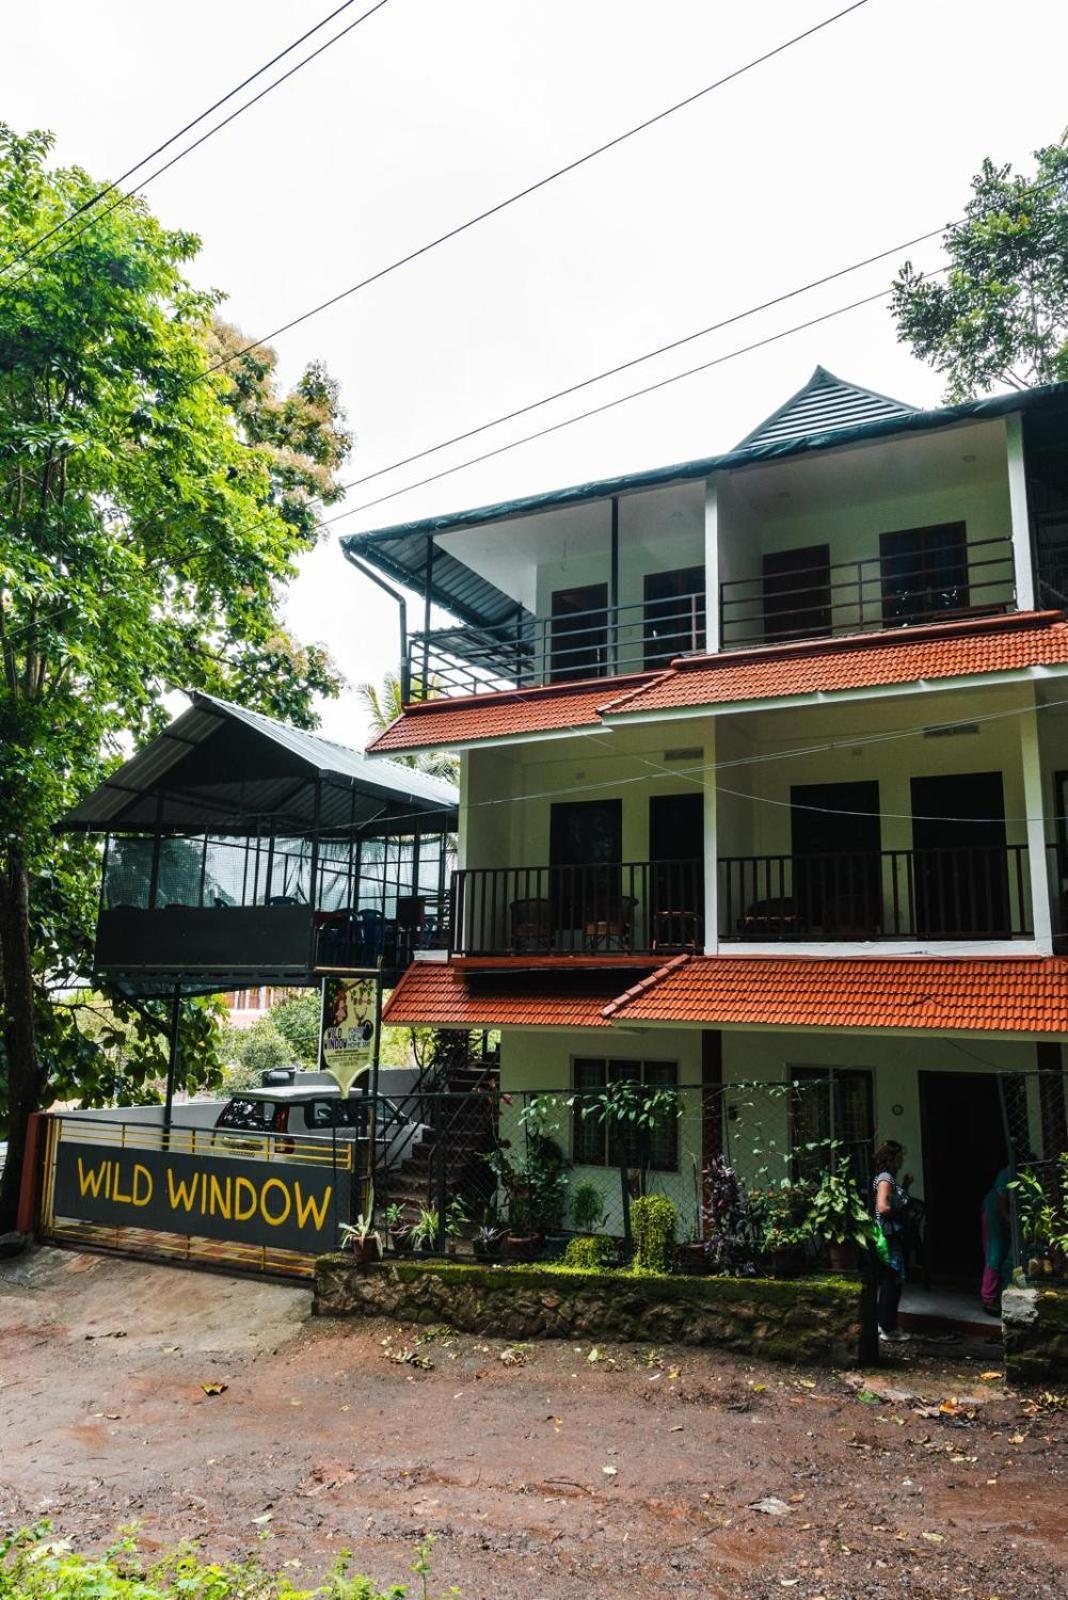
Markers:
point(254, 1115)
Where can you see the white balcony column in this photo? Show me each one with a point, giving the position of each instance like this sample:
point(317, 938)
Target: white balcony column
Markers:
point(463, 821)
point(713, 627)
point(1034, 810)
point(1021, 522)
point(711, 865)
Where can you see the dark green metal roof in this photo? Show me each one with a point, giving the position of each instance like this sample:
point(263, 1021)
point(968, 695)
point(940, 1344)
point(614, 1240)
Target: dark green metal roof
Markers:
point(400, 550)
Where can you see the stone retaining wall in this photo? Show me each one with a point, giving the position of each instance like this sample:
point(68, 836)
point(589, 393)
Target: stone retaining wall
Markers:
point(814, 1320)
point(1035, 1324)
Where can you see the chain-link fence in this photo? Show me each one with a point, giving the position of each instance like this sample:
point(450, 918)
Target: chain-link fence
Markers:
point(762, 1176)
point(753, 1170)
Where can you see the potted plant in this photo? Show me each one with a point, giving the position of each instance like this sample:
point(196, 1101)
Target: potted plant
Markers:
point(785, 1232)
point(837, 1215)
point(731, 1225)
point(457, 1220)
point(587, 1209)
point(398, 1228)
point(424, 1230)
point(486, 1243)
point(364, 1242)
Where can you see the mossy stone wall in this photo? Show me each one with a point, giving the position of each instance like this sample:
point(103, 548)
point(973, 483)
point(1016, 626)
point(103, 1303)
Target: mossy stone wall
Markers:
point(820, 1321)
point(1035, 1324)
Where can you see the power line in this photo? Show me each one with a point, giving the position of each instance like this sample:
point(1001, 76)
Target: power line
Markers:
point(634, 361)
point(109, 188)
point(533, 188)
point(634, 394)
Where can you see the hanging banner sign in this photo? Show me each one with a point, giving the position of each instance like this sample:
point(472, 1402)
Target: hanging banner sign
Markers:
point(245, 1200)
point(351, 1008)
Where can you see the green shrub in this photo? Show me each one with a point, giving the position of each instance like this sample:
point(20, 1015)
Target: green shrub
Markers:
point(653, 1220)
point(297, 1019)
point(587, 1207)
point(590, 1251)
point(36, 1566)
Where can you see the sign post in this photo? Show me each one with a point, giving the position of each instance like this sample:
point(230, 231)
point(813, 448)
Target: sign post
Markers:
point(351, 1019)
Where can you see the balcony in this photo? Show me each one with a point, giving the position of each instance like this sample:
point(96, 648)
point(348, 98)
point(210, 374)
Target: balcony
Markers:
point(592, 642)
point(801, 594)
point(965, 893)
point(629, 908)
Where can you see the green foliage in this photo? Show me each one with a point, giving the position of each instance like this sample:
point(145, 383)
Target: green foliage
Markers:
point(298, 1021)
point(590, 1252)
point(1042, 1208)
point(1000, 316)
point(783, 1213)
point(653, 1220)
point(36, 1566)
point(152, 515)
point(261, 1048)
point(384, 705)
point(587, 1208)
point(837, 1212)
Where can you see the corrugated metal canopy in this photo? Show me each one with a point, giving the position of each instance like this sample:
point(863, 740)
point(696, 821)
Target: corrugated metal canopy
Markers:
point(222, 768)
point(400, 551)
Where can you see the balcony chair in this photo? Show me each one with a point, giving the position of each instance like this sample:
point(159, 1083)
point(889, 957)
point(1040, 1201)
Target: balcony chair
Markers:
point(532, 925)
point(773, 919)
point(611, 919)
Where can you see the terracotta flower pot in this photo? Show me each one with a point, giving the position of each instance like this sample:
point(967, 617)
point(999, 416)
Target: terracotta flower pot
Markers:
point(522, 1247)
point(842, 1256)
point(787, 1261)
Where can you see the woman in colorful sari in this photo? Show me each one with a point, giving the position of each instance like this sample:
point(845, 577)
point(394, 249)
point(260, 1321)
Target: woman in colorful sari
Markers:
point(997, 1243)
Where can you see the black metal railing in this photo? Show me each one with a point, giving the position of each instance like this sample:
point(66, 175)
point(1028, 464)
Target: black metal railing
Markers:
point(363, 938)
point(960, 893)
point(869, 593)
point(632, 907)
point(529, 650)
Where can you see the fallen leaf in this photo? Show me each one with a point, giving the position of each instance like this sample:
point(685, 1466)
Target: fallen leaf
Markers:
point(869, 1397)
point(806, 1383)
point(610, 1472)
point(771, 1506)
point(1017, 1438)
point(594, 1355)
point(214, 1388)
point(933, 1538)
point(676, 1429)
point(266, 1517)
point(991, 1377)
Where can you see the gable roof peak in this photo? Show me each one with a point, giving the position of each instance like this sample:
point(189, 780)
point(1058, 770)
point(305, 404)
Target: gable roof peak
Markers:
point(825, 404)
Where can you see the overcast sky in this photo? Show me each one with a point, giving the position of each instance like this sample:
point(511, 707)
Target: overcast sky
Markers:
point(432, 110)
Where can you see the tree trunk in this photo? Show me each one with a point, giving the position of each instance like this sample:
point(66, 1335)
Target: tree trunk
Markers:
point(24, 1077)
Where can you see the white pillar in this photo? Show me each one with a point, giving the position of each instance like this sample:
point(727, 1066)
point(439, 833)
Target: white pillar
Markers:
point(1034, 810)
point(712, 618)
point(1021, 522)
point(464, 814)
point(711, 866)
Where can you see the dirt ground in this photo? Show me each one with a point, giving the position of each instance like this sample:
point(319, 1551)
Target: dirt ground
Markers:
point(551, 1472)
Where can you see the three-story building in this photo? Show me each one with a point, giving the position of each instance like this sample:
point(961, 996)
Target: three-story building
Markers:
point(764, 778)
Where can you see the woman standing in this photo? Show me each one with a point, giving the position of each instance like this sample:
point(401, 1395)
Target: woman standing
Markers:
point(997, 1243)
point(891, 1204)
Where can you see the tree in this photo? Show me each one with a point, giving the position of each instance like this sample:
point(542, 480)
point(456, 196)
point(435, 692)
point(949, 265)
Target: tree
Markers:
point(151, 512)
point(298, 1019)
point(383, 707)
point(1001, 314)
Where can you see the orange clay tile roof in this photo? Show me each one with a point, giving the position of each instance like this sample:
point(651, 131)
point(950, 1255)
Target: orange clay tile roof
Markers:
point(441, 996)
point(1011, 994)
point(442, 723)
point(861, 661)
